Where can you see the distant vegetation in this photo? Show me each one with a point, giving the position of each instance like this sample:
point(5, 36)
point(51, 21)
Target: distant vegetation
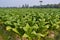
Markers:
point(39, 6)
point(42, 6)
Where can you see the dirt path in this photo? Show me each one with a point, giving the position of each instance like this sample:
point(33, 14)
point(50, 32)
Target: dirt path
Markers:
point(1, 38)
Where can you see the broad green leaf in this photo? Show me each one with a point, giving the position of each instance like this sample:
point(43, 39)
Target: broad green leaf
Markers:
point(15, 30)
point(8, 28)
point(27, 27)
point(25, 35)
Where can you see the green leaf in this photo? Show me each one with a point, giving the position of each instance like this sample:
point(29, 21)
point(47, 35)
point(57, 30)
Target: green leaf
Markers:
point(35, 26)
point(25, 35)
point(27, 27)
point(15, 30)
point(42, 35)
point(33, 32)
point(8, 28)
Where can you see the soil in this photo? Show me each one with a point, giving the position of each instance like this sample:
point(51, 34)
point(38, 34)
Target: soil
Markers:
point(1, 38)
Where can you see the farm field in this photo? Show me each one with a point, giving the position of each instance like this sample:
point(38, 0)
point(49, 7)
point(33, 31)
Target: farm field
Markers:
point(30, 23)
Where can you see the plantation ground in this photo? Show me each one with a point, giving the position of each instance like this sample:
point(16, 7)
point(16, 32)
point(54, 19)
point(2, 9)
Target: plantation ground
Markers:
point(37, 20)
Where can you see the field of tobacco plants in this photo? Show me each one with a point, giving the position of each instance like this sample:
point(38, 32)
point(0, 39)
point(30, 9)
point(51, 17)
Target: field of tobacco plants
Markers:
point(30, 23)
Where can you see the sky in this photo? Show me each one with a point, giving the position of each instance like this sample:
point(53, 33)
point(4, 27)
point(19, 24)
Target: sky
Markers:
point(17, 3)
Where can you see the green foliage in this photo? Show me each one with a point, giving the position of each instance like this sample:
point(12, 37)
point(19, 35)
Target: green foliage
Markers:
point(30, 23)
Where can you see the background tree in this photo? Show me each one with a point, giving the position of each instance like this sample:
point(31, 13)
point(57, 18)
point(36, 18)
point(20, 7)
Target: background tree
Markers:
point(40, 3)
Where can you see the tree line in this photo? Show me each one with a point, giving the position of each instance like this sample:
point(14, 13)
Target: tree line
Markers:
point(42, 6)
point(39, 6)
